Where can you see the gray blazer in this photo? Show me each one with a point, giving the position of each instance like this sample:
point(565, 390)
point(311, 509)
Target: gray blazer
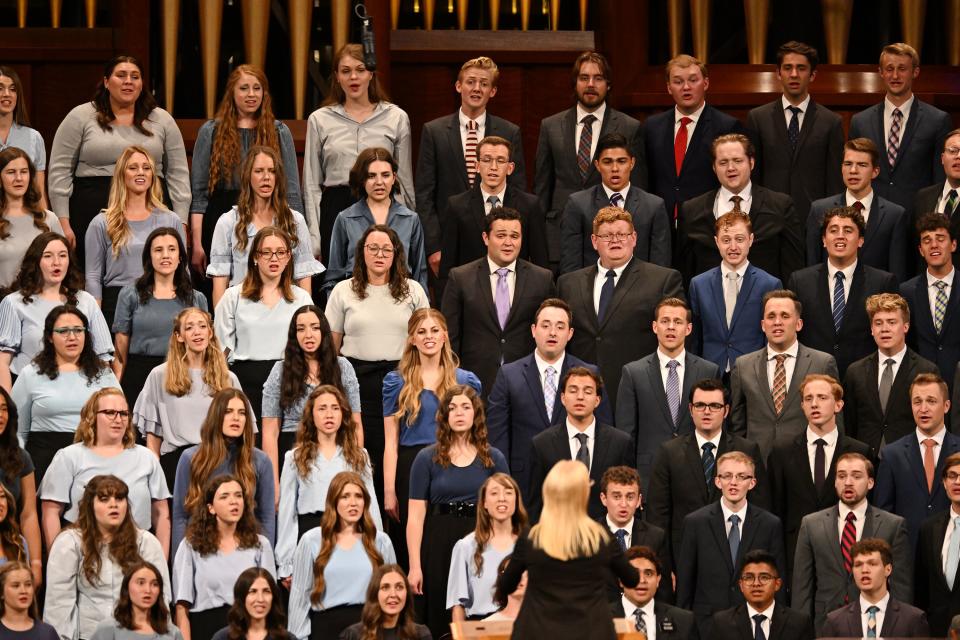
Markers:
point(752, 415)
point(819, 579)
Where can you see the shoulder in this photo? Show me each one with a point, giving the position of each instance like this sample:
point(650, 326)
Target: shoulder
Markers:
point(468, 377)
point(464, 270)
point(548, 434)
point(722, 118)
point(624, 120)
point(929, 109)
point(776, 197)
point(425, 455)
point(822, 204)
point(893, 206)
point(660, 119)
point(437, 124)
point(162, 116)
point(763, 110)
point(301, 296)
point(392, 383)
point(261, 459)
point(702, 201)
point(85, 111)
point(553, 121)
point(128, 294)
point(870, 111)
point(68, 540)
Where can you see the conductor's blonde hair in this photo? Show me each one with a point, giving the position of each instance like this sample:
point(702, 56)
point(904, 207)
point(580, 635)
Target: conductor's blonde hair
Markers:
point(565, 531)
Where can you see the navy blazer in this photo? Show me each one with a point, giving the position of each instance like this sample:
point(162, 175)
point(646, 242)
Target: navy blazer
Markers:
point(943, 347)
point(711, 337)
point(931, 592)
point(885, 240)
point(516, 412)
point(925, 202)
point(901, 486)
point(901, 620)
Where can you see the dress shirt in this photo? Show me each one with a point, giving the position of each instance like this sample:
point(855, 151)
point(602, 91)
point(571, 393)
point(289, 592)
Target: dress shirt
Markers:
point(581, 112)
point(481, 121)
point(542, 368)
point(602, 278)
point(649, 617)
point(627, 527)
point(938, 438)
point(591, 432)
point(942, 202)
point(864, 616)
point(740, 271)
point(932, 290)
point(788, 115)
point(866, 201)
point(694, 119)
point(860, 511)
point(484, 194)
point(768, 612)
point(897, 361)
point(727, 512)
point(722, 203)
point(665, 372)
point(828, 449)
point(511, 277)
point(847, 280)
point(623, 193)
point(945, 549)
point(888, 108)
point(715, 441)
point(789, 364)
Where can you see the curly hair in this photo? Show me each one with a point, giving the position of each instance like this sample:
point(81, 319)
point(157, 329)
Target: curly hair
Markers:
point(484, 529)
point(247, 200)
point(202, 532)
point(142, 109)
point(307, 447)
point(408, 404)
point(87, 428)
point(216, 373)
point(91, 366)
point(238, 618)
point(10, 541)
point(372, 616)
point(5, 570)
point(159, 615)
point(31, 199)
point(181, 276)
point(331, 525)
point(11, 462)
point(478, 432)
point(122, 547)
point(117, 226)
point(29, 281)
point(252, 286)
point(399, 274)
point(296, 370)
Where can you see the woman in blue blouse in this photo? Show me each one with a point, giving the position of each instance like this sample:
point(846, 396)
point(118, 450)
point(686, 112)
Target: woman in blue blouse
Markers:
point(428, 367)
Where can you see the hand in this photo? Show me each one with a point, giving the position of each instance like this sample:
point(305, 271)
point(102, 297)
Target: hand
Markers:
point(415, 578)
point(390, 505)
point(69, 235)
point(198, 260)
point(434, 261)
point(286, 582)
point(276, 496)
point(37, 570)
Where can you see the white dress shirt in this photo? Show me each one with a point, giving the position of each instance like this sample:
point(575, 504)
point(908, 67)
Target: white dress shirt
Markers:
point(788, 115)
point(715, 441)
point(727, 512)
point(864, 616)
point(484, 195)
point(572, 432)
point(942, 202)
point(828, 449)
point(627, 527)
point(789, 364)
point(945, 549)
point(665, 372)
point(937, 448)
point(897, 361)
point(602, 278)
point(623, 193)
point(494, 278)
point(765, 625)
point(860, 511)
point(649, 617)
point(932, 290)
point(866, 201)
point(847, 280)
point(581, 112)
point(694, 119)
point(722, 203)
point(888, 108)
point(542, 368)
point(481, 121)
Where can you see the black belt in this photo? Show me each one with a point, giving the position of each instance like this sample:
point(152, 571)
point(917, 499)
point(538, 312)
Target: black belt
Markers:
point(456, 509)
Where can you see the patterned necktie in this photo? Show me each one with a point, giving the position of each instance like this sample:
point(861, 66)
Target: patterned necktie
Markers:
point(606, 295)
point(494, 202)
point(616, 200)
point(673, 390)
point(470, 151)
point(736, 200)
point(583, 454)
point(819, 463)
point(847, 540)
point(709, 462)
point(734, 537)
point(549, 390)
point(730, 291)
point(859, 207)
point(621, 536)
point(502, 297)
point(839, 304)
point(929, 464)
point(939, 305)
point(886, 383)
point(893, 141)
point(951, 203)
point(793, 131)
point(953, 554)
point(759, 619)
point(586, 141)
point(779, 382)
point(639, 622)
point(872, 621)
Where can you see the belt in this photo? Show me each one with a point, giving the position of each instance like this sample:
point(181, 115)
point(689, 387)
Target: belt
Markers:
point(456, 509)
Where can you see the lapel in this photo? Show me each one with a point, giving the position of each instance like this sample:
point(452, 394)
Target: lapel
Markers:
point(601, 449)
point(483, 286)
point(520, 283)
point(952, 303)
point(693, 462)
point(633, 199)
point(800, 456)
point(914, 460)
point(877, 213)
point(557, 405)
point(809, 118)
point(568, 132)
point(532, 375)
point(561, 448)
point(600, 197)
point(455, 143)
point(890, 617)
point(913, 123)
point(476, 211)
point(630, 274)
point(936, 546)
point(656, 384)
point(761, 376)
point(873, 373)
point(749, 279)
point(743, 622)
point(748, 531)
point(586, 278)
point(715, 284)
point(688, 381)
point(719, 529)
point(703, 131)
point(828, 493)
point(823, 294)
point(857, 285)
point(831, 536)
point(922, 309)
point(869, 522)
point(779, 613)
point(781, 138)
point(800, 372)
point(877, 124)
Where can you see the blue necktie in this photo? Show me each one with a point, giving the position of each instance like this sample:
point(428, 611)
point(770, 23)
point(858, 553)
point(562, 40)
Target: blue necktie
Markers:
point(673, 391)
point(872, 621)
point(606, 295)
point(838, 302)
point(621, 536)
point(734, 537)
point(616, 200)
point(549, 390)
point(709, 461)
point(758, 620)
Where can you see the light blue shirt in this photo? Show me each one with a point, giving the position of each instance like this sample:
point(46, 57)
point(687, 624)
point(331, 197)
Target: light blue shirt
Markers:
point(206, 582)
point(28, 140)
point(464, 587)
point(292, 415)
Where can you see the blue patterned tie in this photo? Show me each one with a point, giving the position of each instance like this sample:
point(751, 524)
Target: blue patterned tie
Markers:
point(673, 390)
point(621, 536)
point(549, 390)
point(734, 537)
point(839, 304)
point(616, 200)
point(709, 462)
point(639, 622)
point(872, 621)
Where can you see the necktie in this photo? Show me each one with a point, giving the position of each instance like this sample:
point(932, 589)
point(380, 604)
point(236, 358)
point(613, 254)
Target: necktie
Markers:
point(951, 203)
point(819, 463)
point(736, 200)
point(793, 131)
point(872, 621)
point(680, 143)
point(583, 454)
point(939, 305)
point(886, 382)
point(839, 304)
point(709, 461)
point(953, 554)
point(616, 200)
point(621, 536)
point(586, 141)
point(470, 151)
point(549, 390)
point(640, 623)
point(502, 297)
point(779, 382)
point(929, 464)
point(673, 390)
point(758, 619)
point(606, 295)
point(730, 292)
point(734, 537)
point(494, 202)
point(893, 141)
point(847, 540)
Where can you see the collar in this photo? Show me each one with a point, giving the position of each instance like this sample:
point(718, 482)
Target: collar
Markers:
point(830, 438)
point(715, 441)
point(938, 437)
point(866, 201)
point(543, 364)
point(649, 616)
point(943, 194)
point(360, 209)
point(947, 278)
point(803, 105)
point(847, 272)
point(664, 358)
point(725, 194)
point(590, 430)
point(493, 266)
point(623, 192)
point(481, 120)
point(727, 512)
point(897, 357)
point(881, 604)
point(905, 108)
point(613, 527)
point(378, 108)
point(741, 270)
point(484, 194)
point(602, 271)
point(766, 612)
point(599, 113)
point(695, 116)
point(792, 351)
point(860, 511)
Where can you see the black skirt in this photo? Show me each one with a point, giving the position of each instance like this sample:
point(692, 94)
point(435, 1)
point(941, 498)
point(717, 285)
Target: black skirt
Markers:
point(219, 202)
point(43, 445)
point(89, 196)
point(169, 462)
point(307, 521)
point(440, 533)
point(204, 624)
point(252, 374)
point(108, 304)
point(398, 532)
point(135, 374)
point(335, 199)
point(329, 623)
point(285, 442)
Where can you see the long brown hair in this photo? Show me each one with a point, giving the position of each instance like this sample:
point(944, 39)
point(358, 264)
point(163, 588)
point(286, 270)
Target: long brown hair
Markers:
point(484, 529)
point(375, 92)
point(202, 532)
point(216, 373)
point(118, 228)
point(399, 274)
point(87, 428)
point(238, 618)
point(20, 112)
point(143, 107)
point(9, 567)
point(246, 201)
point(122, 547)
point(331, 525)
point(29, 280)
point(295, 369)
point(31, 199)
point(225, 150)
point(478, 432)
point(307, 448)
point(372, 616)
point(252, 286)
point(10, 540)
point(158, 616)
point(408, 404)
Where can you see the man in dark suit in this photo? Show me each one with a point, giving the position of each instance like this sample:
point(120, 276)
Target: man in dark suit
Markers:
point(447, 164)
point(639, 606)
point(489, 303)
point(523, 401)
point(877, 408)
point(801, 468)
point(778, 243)
point(911, 131)
point(465, 214)
point(886, 235)
point(799, 142)
point(650, 406)
point(938, 555)
point(621, 497)
point(579, 437)
point(765, 384)
point(823, 565)
point(835, 291)
point(909, 467)
point(933, 298)
point(761, 617)
point(568, 140)
point(678, 140)
point(716, 538)
point(684, 472)
point(876, 613)
point(727, 301)
point(613, 302)
point(614, 163)
point(943, 196)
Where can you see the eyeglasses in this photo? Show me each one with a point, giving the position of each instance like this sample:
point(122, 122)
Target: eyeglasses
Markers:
point(279, 254)
point(611, 237)
point(952, 151)
point(763, 578)
point(494, 161)
point(703, 406)
point(375, 249)
point(740, 477)
point(70, 331)
point(952, 476)
point(112, 414)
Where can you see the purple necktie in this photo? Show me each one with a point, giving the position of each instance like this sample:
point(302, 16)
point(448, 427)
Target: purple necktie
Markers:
point(502, 296)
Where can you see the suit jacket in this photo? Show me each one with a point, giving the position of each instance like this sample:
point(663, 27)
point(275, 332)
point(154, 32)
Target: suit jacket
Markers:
point(516, 412)
point(885, 241)
point(647, 535)
point(810, 172)
point(819, 580)
point(931, 592)
point(853, 341)
point(711, 336)
point(925, 202)
point(696, 174)
point(558, 174)
point(901, 620)
point(650, 221)
point(626, 333)
point(918, 160)
point(793, 492)
point(611, 448)
point(787, 624)
point(862, 416)
point(678, 487)
point(642, 409)
point(442, 168)
point(777, 244)
point(673, 623)
point(706, 574)
point(901, 486)
point(751, 402)
point(465, 219)
point(471, 314)
point(941, 347)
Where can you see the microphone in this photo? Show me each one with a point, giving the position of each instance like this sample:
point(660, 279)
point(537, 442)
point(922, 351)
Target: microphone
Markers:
point(366, 37)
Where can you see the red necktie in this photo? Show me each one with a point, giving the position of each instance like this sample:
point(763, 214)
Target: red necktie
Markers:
point(679, 151)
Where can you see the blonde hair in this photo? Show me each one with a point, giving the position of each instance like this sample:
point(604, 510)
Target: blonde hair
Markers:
point(901, 49)
point(409, 368)
point(565, 531)
point(607, 215)
point(737, 456)
point(887, 302)
point(87, 429)
point(216, 373)
point(683, 61)
point(483, 63)
point(118, 229)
